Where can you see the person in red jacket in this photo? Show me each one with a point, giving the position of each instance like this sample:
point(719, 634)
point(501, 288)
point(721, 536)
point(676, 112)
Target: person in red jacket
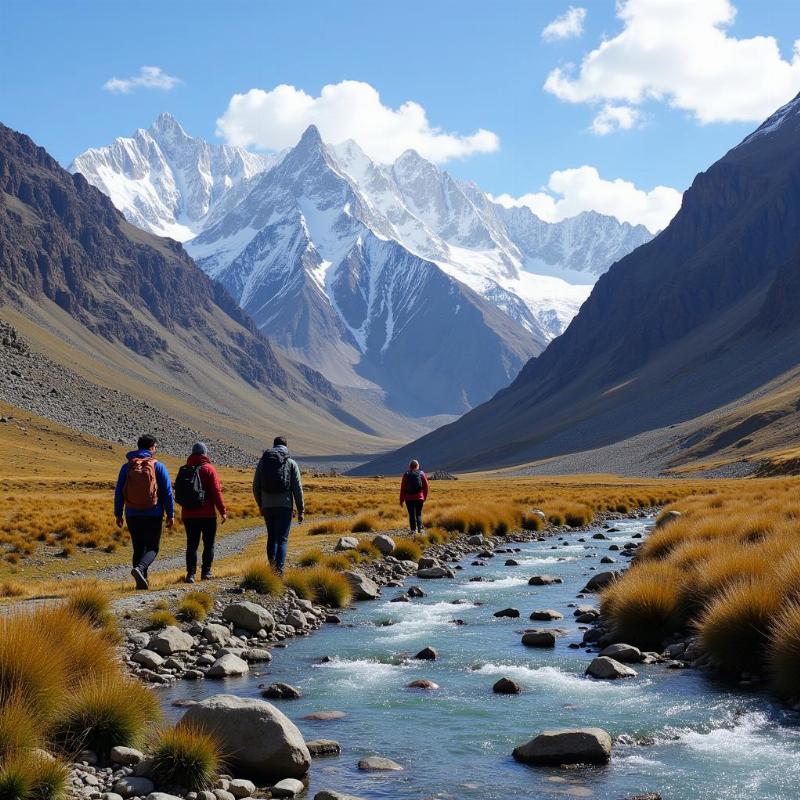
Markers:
point(201, 522)
point(414, 493)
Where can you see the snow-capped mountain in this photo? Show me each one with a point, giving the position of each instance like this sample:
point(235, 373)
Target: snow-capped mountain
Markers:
point(166, 181)
point(396, 278)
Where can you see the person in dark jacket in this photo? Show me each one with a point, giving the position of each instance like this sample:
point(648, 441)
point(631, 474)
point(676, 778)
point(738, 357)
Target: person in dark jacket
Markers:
point(201, 522)
point(414, 493)
point(144, 495)
point(278, 507)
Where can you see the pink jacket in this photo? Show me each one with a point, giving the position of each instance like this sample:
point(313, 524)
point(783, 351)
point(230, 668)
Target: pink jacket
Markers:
point(423, 495)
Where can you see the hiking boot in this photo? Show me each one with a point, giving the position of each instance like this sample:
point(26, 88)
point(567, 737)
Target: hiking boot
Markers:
point(139, 577)
point(206, 576)
point(189, 578)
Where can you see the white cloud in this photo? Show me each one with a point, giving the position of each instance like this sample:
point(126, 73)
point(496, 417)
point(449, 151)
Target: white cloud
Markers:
point(276, 119)
point(613, 118)
point(148, 78)
point(567, 26)
point(572, 191)
point(679, 52)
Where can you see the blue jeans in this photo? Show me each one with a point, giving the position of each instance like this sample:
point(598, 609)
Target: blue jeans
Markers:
point(279, 523)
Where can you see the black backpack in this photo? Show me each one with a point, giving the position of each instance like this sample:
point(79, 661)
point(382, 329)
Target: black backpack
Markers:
point(414, 482)
point(275, 472)
point(189, 491)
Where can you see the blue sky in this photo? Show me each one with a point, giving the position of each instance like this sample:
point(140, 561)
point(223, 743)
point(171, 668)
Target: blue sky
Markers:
point(470, 65)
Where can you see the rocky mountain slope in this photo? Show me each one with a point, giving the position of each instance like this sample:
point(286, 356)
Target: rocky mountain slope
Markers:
point(358, 268)
point(128, 311)
point(700, 319)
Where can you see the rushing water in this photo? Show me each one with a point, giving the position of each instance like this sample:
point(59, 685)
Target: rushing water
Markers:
point(704, 741)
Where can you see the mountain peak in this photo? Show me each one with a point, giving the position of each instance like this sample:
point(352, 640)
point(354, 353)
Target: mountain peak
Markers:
point(311, 137)
point(166, 125)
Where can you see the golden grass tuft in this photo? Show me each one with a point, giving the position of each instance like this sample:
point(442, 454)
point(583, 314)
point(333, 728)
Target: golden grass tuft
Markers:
point(366, 523)
point(191, 610)
point(734, 629)
point(12, 589)
point(329, 586)
point(407, 550)
point(311, 558)
point(369, 551)
point(784, 652)
point(161, 618)
point(92, 602)
point(202, 598)
point(19, 731)
point(337, 561)
point(261, 578)
point(186, 756)
point(104, 713)
point(297, 580)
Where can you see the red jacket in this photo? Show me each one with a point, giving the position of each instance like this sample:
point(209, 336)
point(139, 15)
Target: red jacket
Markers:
point(210, 480)
point(423, 495)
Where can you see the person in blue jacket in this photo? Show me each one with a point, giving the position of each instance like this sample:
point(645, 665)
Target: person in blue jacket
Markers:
point(144, 495)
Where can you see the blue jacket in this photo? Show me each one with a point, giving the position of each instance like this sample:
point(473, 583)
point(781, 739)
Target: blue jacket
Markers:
point(165, 499)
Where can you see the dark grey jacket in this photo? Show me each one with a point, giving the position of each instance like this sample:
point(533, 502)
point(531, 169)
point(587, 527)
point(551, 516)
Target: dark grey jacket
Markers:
point(292, 498)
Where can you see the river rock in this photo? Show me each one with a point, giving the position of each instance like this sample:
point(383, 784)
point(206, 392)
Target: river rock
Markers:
point(626, 653)
point(228, 666)
point(256, 737)
point(257, 655)
point(433, 572)
point(546, 614)
point(169, 641)
point(249, 616)
point(147, 658)
point(543, 580)
point(426, 654)
point(506, 686)
point(297, 619)
point(216, 634)
point(599, 581)
point(476, 540)
point(323, 747)
point(326, 794)
point(566, 746)
point(325, 716)
point(666, 517)
point(131, 786)
point(422, 683)
point(239, 787)
point(280, 691)
point(347, 543)
point(288, 787)
point(378, 764)
point(415, 591)
point(162, 796)
point(605, 667)
point(125, 756)
point(511, 613)
point(223, 794)
point(539, 639)
point(384, 543)
point(364, 588)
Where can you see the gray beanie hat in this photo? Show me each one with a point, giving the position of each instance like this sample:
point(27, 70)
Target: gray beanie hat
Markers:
point(199, 449)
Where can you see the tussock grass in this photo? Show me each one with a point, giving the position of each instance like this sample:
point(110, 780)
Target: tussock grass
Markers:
point(186, 756)
point(330, 587)
point(366, 523)
point(337, 561)
point(297, 579)
point(12, 589)
point(49, 779)
point(93, 604)
point(191, 610)
point(368, 551)
point(260, 577)
point(407, 550)
point(161, 618)
point(16, 778)
point(201, 598)
point(311, 557)
point(19, 732)
point(103, 713)
point(734, 629)
point(784, 651)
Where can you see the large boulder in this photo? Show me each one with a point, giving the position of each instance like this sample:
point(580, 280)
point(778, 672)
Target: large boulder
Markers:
point(257, 739)
point(364, 588)
point(605, 667)
point(216, 634)
point(249, 616)
point(347, 543)
point(384, 543)
point(566, 746)
point(600, 580)
point(228, 666)
point(626, 653)
point(169, 641)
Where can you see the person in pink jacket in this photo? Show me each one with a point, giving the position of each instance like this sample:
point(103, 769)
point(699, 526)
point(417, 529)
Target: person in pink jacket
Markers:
point(414, 493)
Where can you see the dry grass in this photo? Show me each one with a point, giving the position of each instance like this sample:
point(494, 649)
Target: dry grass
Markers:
point(161, 618)
point(329, 587)
point(261, 578)
point(191, 610)
point(407, 550)
point(186, 756)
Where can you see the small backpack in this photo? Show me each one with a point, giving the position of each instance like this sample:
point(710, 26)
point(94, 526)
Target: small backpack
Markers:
point(414, 482)
point(275, 472)
point(189, 491)
point(141, 487)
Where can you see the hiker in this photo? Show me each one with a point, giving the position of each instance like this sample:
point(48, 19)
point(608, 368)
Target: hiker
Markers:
point(144, 493)
point(199, 493)
point(278, 491)
point(414, 493)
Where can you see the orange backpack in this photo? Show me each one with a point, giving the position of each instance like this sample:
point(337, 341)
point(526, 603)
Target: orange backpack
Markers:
point(141, 486)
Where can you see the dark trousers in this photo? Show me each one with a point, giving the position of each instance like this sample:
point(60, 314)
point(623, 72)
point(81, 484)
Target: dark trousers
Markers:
point(146, 538)
point(279, 523)
point(204, 528)
point(415, 514)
